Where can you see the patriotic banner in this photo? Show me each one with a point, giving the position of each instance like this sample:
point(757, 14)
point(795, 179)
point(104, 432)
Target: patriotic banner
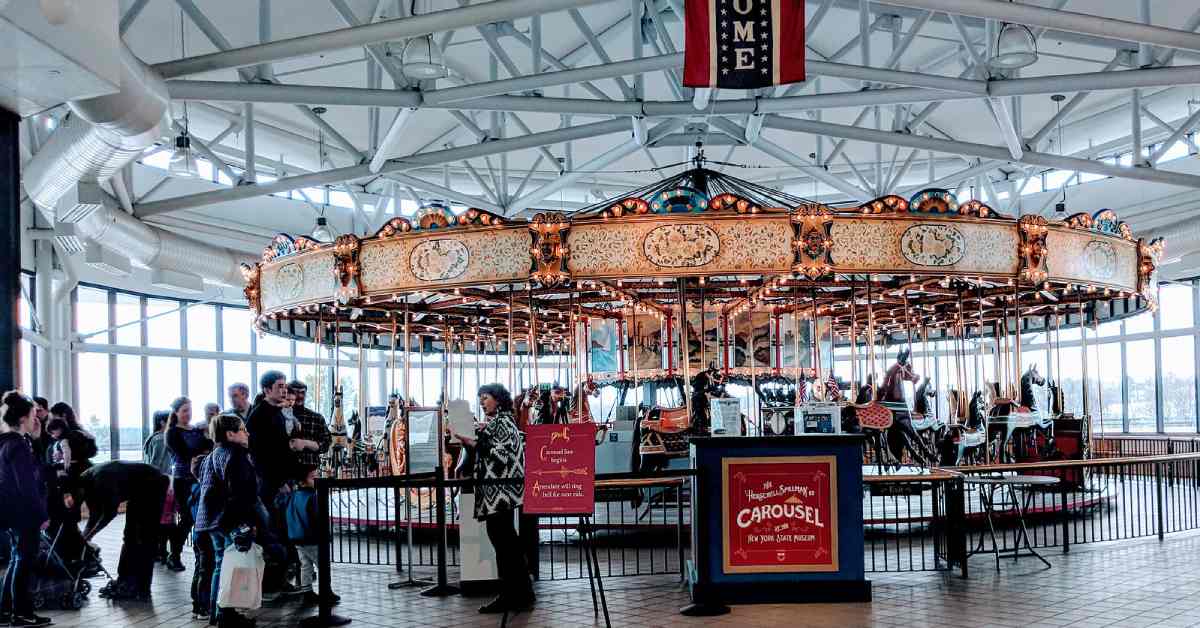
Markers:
point(743, 44)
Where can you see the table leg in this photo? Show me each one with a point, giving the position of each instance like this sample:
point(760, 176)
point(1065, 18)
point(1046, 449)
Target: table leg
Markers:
point(1023, 530)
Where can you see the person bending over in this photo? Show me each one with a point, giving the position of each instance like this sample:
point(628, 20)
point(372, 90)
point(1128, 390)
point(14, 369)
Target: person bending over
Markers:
point(143, 489)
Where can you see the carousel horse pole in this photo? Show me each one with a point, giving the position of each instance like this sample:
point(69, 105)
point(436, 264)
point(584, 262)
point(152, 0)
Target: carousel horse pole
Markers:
point(681, 287)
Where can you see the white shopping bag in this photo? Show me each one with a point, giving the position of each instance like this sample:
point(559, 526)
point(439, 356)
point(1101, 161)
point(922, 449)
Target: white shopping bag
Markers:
point(241, 578)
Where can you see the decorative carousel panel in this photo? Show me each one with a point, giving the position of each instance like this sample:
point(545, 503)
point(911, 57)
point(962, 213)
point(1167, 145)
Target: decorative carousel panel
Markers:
point(434, 259)
point(898, 244)
point(1088, 257)
point(680, 247)
point(298, 279)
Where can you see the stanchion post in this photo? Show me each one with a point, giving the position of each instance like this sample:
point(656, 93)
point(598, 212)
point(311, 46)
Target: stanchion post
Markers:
point(442, 588)
point(324, 616)
point(957, 530)
point(1158, 489)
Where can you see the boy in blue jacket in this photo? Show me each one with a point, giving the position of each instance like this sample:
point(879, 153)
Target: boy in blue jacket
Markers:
point(299, 509)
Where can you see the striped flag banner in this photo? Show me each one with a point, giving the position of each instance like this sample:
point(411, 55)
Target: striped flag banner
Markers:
point(743, 44)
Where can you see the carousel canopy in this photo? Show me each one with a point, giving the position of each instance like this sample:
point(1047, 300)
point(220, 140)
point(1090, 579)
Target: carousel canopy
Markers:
point(715, 244)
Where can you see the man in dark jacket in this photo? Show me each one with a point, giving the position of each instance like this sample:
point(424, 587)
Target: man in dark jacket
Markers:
point(313, 430)
point(143, 489)
point(271, 449)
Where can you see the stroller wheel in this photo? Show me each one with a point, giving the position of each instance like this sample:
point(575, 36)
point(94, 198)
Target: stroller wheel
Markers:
point(39, 601)
point(84, 587)
point(73, 601)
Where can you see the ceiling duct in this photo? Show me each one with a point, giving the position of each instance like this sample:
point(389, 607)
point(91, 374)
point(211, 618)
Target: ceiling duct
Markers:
point(104, 260)
point(98, 138)
point(174, 280)
point(66, 238)
point(81, 201)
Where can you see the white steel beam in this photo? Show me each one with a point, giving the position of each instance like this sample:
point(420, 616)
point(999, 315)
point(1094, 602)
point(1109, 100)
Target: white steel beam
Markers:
point(1068, 21)
point(353, 37)
point(449, 194)
point(391, 141)
point(983, 151)
point(614, 154)
point(350, 173)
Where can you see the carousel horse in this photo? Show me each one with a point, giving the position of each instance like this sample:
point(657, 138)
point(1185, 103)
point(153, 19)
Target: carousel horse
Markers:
point(1021, 423)
point(924, 422)
point(901, 435)
point(663, 432)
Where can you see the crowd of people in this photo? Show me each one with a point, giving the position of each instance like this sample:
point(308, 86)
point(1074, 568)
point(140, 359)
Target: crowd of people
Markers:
point(236, 477)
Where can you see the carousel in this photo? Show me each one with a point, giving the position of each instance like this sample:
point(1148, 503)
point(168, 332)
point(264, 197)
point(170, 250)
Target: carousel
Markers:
point(706, 304)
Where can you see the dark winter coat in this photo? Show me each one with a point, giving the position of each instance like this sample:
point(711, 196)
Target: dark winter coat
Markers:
point(22, 490)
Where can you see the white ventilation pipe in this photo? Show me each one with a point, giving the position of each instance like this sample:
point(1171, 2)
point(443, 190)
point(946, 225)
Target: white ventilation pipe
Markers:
point(101, 136)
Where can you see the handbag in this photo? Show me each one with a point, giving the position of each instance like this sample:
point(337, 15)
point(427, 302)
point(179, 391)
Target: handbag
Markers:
point(241, 578)
point(168, 513)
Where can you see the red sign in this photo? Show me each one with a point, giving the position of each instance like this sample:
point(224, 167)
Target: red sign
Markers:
point(560, 469)
point(779, 514)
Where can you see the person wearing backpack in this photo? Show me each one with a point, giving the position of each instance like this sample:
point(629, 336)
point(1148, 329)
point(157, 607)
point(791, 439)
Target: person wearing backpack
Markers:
point(70, 453)
point(299, 510)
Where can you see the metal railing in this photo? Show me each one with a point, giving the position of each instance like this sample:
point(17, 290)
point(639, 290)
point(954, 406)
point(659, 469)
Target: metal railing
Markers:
point(1123, 445)
point(920, 522)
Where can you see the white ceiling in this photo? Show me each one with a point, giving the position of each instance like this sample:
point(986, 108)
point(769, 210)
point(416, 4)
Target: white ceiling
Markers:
point(1102, 119)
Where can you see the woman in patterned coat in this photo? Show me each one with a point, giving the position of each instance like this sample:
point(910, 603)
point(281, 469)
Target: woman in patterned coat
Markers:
point(500, 454)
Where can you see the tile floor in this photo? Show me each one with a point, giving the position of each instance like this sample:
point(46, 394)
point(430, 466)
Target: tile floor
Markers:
point(1126, 584)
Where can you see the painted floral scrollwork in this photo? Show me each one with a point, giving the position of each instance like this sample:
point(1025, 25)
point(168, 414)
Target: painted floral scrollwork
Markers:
point(252, 274)
point(811, 242)
point(1149, 259)
point(549, 250)
point(1033, 230)
point(346, 267)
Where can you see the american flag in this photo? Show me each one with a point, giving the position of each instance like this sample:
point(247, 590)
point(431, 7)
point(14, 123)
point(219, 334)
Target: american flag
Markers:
point(743, 44)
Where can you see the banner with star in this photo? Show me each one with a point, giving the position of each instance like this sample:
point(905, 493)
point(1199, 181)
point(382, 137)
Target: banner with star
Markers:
point(743, 44)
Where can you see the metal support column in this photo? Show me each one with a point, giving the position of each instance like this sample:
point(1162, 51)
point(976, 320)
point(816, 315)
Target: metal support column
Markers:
point(10, 247)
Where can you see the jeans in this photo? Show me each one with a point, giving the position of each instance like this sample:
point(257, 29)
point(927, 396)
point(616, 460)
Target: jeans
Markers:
point(183, 509)
point(219, 540)
point(308, 567)
point(18, 580)
point(202, 584)
point(515, 586)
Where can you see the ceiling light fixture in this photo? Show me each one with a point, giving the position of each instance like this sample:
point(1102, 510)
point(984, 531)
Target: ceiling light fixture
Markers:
point(422, 58)
point(1016, 47)
point(183, 163)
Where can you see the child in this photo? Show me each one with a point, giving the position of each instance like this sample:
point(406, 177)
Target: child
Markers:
point(203, 548)
point(299, 509)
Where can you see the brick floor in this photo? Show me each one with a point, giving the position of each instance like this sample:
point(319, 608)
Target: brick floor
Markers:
point(1127, 584)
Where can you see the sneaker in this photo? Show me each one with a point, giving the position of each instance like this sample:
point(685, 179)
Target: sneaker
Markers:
point(174, 564)
point(334, 598)
point(310, 599)
point(5, 618)
point(200, 616)
point(30, 620)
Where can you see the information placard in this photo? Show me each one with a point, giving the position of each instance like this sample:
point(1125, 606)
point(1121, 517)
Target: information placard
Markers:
point(779, 514)
point(560, 469)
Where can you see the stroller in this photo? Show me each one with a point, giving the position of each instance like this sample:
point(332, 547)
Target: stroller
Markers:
point(55, 584)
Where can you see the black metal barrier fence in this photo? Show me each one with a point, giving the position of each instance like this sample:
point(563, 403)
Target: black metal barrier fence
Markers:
point(919, 522)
